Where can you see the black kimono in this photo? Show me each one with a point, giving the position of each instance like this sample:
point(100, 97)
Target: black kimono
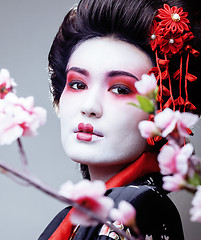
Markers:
point(157, 217)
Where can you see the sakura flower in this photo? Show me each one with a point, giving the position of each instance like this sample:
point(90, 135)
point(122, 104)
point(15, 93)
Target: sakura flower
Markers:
point(19, 117)
point(6, 83)
point(147, 85)
point(195, 211)
point(9, 130)
point(148, 129)
point(89, 195)
point(125, 213)
point(173, 159)
point(174, 183)
point(29, 117)
point(171, 122)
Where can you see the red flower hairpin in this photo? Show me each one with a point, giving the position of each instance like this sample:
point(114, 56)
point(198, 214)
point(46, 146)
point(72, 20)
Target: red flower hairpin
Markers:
point(173, 19)
point(170, 35)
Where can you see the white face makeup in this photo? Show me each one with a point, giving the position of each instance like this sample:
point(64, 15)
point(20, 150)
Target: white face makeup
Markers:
point(98, 126)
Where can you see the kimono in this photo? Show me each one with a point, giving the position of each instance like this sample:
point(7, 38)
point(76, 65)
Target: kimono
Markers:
point(157, 217)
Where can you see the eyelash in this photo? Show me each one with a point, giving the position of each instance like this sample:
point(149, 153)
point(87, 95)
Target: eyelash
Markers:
point(117, 89)
point(82, 86)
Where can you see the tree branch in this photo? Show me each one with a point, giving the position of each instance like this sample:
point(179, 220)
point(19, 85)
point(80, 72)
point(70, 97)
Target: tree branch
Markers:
point(37, 183)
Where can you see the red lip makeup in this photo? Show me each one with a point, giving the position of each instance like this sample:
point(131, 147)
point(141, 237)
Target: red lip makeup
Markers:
point(85, 132)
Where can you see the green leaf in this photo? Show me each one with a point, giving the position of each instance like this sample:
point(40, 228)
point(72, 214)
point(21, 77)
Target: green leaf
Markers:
point(135, 105)
point(195, 180)
point(155, 93)
point(145, 104)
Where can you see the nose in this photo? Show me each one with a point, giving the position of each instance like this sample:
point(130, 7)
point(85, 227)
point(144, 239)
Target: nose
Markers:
point(92, 105)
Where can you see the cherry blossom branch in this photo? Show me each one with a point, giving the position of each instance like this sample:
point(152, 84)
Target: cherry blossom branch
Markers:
point(14, 178)
point(37, 183)
point(19, 117)
point(190, 188)
point(195, 164)
point(22, 155)
point(177, 160)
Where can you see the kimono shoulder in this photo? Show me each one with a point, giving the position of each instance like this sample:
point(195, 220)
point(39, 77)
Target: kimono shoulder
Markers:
point(54, 224)
point(156, 215)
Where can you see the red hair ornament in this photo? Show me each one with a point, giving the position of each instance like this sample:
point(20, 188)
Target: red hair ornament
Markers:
point(169, 36)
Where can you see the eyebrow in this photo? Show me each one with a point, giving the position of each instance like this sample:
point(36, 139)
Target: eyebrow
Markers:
point(110, 74)
point(121, 73)
point(79, 70)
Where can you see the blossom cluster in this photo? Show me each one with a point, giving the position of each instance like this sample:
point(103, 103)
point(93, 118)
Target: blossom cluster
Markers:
point(18, 115)
point(90, 195)
point(173, 157)
point(177, 162)
point(7, 83)
point(147, 87)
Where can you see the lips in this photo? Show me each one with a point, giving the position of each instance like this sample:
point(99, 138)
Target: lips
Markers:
point(88, 128)
point(86, 132)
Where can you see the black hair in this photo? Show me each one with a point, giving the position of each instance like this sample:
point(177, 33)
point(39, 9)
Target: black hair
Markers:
point(127, 20)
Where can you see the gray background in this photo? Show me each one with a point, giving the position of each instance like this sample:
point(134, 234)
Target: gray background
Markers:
point(27, 29)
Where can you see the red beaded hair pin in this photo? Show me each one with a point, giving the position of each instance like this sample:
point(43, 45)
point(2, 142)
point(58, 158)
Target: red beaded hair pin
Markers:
point(170, 35)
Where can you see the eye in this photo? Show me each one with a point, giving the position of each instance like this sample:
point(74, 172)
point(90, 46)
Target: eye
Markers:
point(77, 85)
point(120, 89)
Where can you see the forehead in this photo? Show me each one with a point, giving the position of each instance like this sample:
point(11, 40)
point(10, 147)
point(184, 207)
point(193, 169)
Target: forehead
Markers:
point(107, 54)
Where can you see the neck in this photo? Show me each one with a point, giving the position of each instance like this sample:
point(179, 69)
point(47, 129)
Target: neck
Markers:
point(104, 173)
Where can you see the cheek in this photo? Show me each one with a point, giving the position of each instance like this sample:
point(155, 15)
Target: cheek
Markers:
point(69, 94)
point(123, 133)
point(67, 106)
point(125, 98)
point(70, 99)
point(120, 105)
point(131, 118)
point(124, 116)
point(122, 102)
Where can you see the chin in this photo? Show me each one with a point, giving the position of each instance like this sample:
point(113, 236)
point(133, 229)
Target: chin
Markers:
point(100, 159)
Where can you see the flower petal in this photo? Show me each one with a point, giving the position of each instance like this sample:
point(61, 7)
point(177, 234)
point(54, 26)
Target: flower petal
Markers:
point(173, 183)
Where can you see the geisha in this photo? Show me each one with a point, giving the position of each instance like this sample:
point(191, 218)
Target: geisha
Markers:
point(101, 49)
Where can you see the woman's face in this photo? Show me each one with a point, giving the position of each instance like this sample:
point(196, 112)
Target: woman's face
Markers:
point(98, 126)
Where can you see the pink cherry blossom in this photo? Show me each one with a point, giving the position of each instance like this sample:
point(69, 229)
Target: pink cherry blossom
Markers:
point(195, 211)
point(125, 213)
point(148, 129)
point(89, 195)
point(173, 159)
point(19, 117)
point(147, 85)
point(170, 121)
point(6, 83)
point(9, 130)
point(174, 183)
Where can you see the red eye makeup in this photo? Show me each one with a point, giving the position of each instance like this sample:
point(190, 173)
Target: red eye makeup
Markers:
point(75, 81)
point(122, 85)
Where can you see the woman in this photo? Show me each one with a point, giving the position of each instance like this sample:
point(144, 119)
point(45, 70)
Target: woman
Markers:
point(102, 48)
